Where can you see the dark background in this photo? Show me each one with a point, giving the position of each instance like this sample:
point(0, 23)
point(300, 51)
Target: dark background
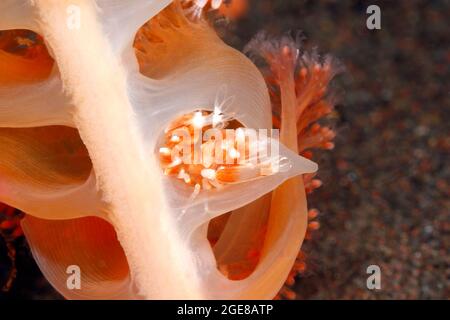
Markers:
point(385, 198)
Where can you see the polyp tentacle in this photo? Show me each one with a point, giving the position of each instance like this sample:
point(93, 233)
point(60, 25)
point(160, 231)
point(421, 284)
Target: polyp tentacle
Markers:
point(38, 104)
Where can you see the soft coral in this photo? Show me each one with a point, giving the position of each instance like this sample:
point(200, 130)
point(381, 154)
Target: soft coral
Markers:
point(298, 82)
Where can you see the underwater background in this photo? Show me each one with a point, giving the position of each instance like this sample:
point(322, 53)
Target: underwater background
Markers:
point(385, 198)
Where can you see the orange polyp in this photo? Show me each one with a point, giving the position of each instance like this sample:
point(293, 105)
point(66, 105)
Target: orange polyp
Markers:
point(317, 137)
point(316, 183)
point(303, 72)
point(314, 225)
point(8, 224)
point(328, 145)
point(300, 266)
point(288, 293)
point(23, 58)
point(286, 51)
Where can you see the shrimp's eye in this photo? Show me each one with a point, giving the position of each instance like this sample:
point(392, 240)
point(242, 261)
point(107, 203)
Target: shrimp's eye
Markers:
point(209, 150)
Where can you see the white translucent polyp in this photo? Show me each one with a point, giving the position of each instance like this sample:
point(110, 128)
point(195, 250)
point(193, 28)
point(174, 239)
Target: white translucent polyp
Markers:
point(50, 202)
point(121, 19)
point(193, 213)
point(32, 105)
point(17, 14)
